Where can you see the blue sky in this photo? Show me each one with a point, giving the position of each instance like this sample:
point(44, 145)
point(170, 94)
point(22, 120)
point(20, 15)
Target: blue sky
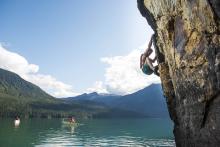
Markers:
point(68, 39)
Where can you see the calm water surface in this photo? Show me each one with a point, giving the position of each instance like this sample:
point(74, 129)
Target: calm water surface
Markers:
point(97, 132)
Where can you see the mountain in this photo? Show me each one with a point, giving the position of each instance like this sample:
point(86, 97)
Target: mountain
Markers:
point(104, 99)
point(22, 98)
point(13, 85)
point(148, 101)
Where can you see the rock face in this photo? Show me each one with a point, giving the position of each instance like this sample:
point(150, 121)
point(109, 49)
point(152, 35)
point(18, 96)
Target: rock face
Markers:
point(188, 39)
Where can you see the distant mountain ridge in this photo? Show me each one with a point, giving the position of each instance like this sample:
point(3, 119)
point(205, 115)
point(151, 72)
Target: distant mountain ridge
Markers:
point(148, 101)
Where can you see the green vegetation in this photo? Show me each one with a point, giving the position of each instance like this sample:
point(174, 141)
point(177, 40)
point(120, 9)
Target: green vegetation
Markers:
point(22, 98)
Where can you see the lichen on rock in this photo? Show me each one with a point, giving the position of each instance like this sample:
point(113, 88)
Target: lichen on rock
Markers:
point(188, 39)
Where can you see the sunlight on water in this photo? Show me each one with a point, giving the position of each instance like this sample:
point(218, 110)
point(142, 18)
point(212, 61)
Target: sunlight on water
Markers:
point(104, 132)
point(122, 141)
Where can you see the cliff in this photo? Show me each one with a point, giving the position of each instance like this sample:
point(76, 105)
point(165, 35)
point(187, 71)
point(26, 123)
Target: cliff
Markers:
point(188, 40)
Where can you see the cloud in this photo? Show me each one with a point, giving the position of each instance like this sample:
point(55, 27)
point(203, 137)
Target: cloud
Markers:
point(16, 63)
point(97, 87)
point(123, 74)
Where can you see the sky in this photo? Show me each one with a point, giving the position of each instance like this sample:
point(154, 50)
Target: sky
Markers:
point(69, 47)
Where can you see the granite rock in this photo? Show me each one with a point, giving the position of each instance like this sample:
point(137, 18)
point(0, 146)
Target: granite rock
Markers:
point(188, 38)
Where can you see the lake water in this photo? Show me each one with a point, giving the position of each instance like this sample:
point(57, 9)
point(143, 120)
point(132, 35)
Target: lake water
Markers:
point(97, 132)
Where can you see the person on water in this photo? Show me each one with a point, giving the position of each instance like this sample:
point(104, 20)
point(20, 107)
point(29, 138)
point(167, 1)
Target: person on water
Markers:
point(146, 63)
point(72, 120)
point(17, 121)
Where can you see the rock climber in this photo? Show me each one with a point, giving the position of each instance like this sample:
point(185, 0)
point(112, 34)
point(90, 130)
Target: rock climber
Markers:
point(146, 63)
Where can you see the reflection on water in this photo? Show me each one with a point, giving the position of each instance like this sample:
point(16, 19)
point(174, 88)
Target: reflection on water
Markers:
point(69, 128)
point(103, 132)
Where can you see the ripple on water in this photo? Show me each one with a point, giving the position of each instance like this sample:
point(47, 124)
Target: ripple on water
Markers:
point(103, 133)
point(122, 141)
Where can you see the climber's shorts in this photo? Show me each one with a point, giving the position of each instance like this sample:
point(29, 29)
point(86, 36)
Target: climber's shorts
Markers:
point(147, 70)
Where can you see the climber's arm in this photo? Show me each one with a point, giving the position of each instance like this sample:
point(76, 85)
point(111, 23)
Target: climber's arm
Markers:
point(141, 61)
point(150, 43)
point(155, 58)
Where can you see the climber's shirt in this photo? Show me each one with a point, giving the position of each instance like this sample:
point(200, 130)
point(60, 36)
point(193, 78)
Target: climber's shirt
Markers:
point(147, 70)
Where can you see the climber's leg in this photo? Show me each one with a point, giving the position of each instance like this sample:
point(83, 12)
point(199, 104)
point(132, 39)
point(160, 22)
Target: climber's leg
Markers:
point(160, 57)
point(156, 69)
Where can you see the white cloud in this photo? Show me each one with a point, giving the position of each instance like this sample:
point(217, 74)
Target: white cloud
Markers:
point(16, 63)
point(123, 74)
point(97, 87)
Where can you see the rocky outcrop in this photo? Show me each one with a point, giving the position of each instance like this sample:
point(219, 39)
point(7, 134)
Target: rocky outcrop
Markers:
point(188, 39)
